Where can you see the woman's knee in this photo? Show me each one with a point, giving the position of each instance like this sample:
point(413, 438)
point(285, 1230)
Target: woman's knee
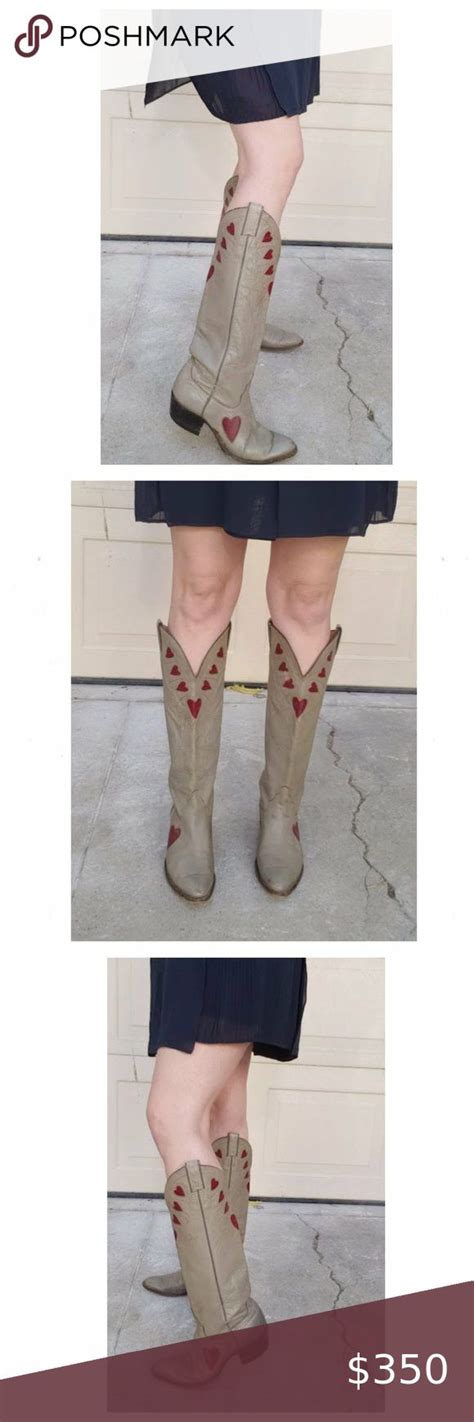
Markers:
point(277, 145)
point(202, 594)
point(304, 602)
point(161, 1121)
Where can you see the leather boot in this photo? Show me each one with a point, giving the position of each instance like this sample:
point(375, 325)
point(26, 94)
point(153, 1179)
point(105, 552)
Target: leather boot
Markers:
point(211, 1252)
point(193, 708)
point(293, 705)
point(236, 1156)
point(274, 338)
point(213, 387)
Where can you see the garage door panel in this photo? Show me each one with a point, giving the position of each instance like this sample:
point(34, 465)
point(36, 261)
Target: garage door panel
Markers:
point(163, 167)
point(122, 581)
point(316, 1124)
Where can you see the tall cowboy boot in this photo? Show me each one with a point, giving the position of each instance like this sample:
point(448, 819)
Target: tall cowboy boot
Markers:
point(236, 1156)
point(193, 708)
point(274, 338)
point(213, 386)
point(211, 1252)
point(293, 705)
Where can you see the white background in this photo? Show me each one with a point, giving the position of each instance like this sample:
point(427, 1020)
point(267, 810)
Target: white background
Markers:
point(53, 1216)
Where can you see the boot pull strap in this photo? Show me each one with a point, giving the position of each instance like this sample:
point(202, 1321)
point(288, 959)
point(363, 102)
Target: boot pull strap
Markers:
point(252, 219)
point(194, 1174)
point(233, 1143)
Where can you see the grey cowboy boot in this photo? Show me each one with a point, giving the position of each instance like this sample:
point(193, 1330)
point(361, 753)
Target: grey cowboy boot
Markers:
point(211, 1253)
point(294, 702)
point(213, 387)
point(193, 709)
point(236, 1156)
point(274, 338)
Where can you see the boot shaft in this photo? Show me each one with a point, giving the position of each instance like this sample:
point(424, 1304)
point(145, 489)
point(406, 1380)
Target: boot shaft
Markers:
point(232, 314)
point(236, 1155)
point(294, 702)
point(209, 1244)
point(193, 710)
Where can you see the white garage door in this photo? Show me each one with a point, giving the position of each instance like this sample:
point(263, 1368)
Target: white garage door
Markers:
point(316, 1125)
point(121, 585)
point(164, 167)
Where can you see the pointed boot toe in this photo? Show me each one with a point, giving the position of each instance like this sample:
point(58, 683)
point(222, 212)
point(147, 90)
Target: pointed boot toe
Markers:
point(172, 1285)
point(195, 884)
point(276, 339)
point(282, 448)
point(279, 873)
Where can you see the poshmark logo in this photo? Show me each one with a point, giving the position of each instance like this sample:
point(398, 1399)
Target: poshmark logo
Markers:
point(40, 27)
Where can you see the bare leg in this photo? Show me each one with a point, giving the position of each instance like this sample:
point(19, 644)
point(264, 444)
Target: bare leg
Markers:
point(184, 1088)
point(207, 575)
point(301, 583)
point(229, 1110)
point(270, 155)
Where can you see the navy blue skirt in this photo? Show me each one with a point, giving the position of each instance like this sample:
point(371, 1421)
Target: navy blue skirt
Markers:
point(284, 509)
point(257, 1000)
point(252, 95)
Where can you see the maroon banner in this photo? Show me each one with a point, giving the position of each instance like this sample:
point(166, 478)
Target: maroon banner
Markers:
point(323, 1366)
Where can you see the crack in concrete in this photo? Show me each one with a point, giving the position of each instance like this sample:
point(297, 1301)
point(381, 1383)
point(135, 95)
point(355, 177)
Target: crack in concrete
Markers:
point(337, 1283)
point(100, 800)
point(346, 336)
point(118, 360)
point(371, 867)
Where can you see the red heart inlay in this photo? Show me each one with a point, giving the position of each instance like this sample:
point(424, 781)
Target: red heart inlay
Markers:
point(219, 1153)
point(299, 706)
point(322, 671)
point(221, 1197)
point(224, 244)
point(210, 273)
point(232, 427)
point(231, 228)
point(175, 1221)
point(283, 667)
point(182, 686)
point(314, 686)
point(231, 194)
point(244, 1154)
point(213, 670)
point(296, 831)
point(175, 671)
point(206, 686)
point(218, 257)
point(329, 656)
point(289, 683)
point(268, 256)
point(270, 288)
point(226, 1207)
point(169, 653)
point(194, 707)
point(179, 1190)
point(269, 271)
point(214, 1184)
point(278, 650)
point(220, 652)
point(234, 1221)
point(173, 834)
point(267, 237)
point(178, 1207)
